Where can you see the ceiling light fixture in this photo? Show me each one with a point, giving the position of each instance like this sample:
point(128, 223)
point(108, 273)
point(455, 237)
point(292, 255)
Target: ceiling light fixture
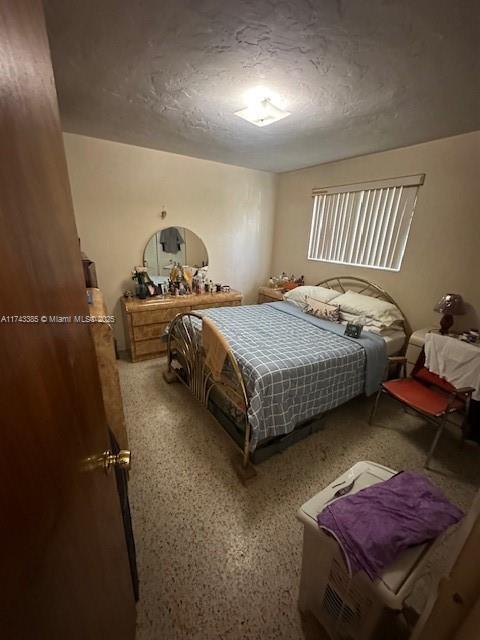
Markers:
point(261, 111)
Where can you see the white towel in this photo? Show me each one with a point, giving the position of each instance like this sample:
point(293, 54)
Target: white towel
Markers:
point(453, 360)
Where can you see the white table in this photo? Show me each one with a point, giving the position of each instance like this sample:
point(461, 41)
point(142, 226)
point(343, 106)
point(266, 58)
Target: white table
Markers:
point(456, 361)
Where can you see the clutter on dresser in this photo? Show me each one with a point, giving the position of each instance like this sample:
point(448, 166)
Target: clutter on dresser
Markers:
point(201, 282)
point(182, 280)
point(283, 282)
point(141, 277)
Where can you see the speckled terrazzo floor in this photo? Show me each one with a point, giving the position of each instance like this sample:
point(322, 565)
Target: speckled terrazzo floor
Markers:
point(218, 560)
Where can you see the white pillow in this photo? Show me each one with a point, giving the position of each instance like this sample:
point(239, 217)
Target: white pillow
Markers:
point(389, 332)
point(298, 295)
point(358, 304)
point(366, 321)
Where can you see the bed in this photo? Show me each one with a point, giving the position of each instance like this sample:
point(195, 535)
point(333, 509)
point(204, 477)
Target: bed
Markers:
point(269, 372)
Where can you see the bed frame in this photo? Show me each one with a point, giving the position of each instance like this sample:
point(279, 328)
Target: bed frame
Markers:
point(351, 283)
point(186, 362)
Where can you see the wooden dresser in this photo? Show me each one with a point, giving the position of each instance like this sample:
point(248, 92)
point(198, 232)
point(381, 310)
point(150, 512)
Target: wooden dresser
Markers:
point(102, 334)
point(145, 321)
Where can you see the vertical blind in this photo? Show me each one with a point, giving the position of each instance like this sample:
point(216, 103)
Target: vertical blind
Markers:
point(364, 224)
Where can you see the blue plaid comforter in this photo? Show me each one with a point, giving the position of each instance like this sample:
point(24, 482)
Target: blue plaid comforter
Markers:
point(293, 369)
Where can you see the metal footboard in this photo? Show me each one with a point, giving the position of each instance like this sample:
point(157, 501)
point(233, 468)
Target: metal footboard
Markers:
point(186, 361)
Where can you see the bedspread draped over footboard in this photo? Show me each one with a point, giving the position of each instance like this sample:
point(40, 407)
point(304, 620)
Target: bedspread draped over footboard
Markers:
point(296, 366)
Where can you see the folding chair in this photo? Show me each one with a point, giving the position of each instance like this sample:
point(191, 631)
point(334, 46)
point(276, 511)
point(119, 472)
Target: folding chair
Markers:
point(429, 395)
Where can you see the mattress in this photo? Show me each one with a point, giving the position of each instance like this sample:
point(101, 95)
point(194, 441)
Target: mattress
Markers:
point(296, 366)
point(394, 341)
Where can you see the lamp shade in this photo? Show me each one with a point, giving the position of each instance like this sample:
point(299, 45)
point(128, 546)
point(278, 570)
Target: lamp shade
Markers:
point(451, 303)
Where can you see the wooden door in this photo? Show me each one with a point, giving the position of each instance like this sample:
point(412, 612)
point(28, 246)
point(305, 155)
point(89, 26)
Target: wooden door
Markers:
point(64, 565)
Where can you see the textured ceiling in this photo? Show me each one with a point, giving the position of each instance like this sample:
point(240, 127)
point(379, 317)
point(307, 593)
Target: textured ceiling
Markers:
point(358, 76)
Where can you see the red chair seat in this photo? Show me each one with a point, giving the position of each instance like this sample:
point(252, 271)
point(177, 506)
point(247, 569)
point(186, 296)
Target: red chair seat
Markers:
point(427, 376)
point(418, 396)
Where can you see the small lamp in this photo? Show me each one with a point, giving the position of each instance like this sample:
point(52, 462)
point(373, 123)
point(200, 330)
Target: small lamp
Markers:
point(451, 304)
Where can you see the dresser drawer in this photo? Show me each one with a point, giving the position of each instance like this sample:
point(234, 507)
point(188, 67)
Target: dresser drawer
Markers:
point(146, 347)
point(147, 320)
point(148, 331)
point(212, 305)
point(156, 316)
point(206, 306)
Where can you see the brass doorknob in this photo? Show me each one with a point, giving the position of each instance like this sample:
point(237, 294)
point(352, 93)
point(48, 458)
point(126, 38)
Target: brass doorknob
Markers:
point(122, 460)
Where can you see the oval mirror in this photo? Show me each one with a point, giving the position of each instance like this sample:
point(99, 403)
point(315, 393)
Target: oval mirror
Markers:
point(173, 244)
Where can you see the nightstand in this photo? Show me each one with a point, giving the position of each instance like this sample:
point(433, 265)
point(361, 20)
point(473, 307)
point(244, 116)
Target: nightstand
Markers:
point(267, 294)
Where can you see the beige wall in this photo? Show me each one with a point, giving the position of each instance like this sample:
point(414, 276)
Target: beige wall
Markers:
point(119, 191)
point(443, 251)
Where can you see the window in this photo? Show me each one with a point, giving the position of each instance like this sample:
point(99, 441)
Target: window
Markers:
point(365, 224)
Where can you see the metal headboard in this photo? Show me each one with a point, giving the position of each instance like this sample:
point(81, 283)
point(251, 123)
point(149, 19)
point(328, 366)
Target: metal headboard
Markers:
point(359, 285)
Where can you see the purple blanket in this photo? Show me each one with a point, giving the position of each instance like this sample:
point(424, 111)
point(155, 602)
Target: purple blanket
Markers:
point(374, 525)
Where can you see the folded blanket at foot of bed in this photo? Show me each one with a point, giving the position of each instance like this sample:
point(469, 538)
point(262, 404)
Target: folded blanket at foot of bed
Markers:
point(374, 525)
